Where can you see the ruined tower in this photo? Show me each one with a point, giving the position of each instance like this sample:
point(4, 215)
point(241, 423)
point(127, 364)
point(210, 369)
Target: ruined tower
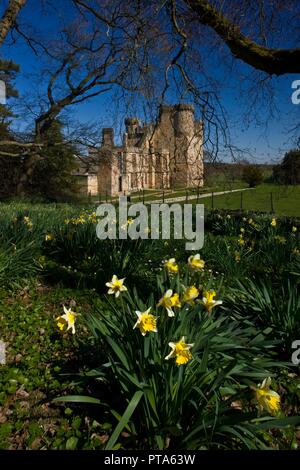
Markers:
point(187, 165)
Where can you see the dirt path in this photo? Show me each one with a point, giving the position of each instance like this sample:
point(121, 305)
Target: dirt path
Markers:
point(193, 198)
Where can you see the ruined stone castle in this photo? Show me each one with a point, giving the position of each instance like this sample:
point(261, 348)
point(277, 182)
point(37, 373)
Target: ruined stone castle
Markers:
point(161, 155)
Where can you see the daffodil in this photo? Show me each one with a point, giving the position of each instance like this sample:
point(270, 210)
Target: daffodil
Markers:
point(167, 303)
point(273, 223)
point(49, 237)
point(267, 399)
point(190, 294)
point(294, 229)
point(27, 222)
point(280, 240)
point(175, 300)
point(130, 221)
point(241, 240)
point(67, 320)
point(295, 251)
point(196, 263)
point(180, 351)
point(116, 286)
point(93, 217)
point(208, 300)
point(242, 230)
point(171, 266)
point(146, 322)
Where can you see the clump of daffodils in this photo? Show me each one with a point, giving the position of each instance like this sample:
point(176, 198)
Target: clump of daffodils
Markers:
point(280, 240)
point(190, 294)
point(208, 300)
point(169, 301)
point(146, 322)
point(116, 286)
point(196, 263)
point(267, 399)
point(171, 266)
point(241, 240)
point(180, 351)
point(27, 221)
point(67, 320)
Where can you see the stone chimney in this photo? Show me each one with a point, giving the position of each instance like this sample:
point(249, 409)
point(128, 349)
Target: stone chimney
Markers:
point(107, 137)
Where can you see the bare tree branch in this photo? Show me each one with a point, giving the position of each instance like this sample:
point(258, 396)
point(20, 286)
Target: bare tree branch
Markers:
point(271, 61)
point(9, 17)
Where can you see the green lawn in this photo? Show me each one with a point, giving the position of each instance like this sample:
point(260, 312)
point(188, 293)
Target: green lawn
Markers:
point(286, 200)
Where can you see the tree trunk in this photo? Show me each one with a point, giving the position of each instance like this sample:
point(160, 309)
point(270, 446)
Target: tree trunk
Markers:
point(9, 17)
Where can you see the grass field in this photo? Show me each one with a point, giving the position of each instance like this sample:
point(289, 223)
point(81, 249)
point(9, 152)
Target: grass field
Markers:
point(286, 200)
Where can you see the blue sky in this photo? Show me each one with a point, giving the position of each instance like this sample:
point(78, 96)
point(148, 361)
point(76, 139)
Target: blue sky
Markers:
point(265, 144)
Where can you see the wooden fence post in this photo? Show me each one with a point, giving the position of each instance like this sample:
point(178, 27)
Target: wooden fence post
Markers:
point(271, 200)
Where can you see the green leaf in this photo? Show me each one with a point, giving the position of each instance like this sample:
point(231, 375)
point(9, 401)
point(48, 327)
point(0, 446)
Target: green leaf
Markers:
point(71, 443)
point(124, 420)
point(79, 399)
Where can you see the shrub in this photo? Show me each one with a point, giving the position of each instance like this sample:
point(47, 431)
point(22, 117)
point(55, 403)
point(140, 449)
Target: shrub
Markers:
point(252, 175)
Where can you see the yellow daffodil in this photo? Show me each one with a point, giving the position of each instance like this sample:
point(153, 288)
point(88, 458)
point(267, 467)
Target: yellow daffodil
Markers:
point(130, 221)
point(175, 300)
point(171, 266)
point(67, 320)
point(27, 222)
point(61, 323)
point(241, 241)
point(49, 237)
point(93, 217)
point(79, 220)
point(146, 322)
point(294, 229)
point(280, 240)
point(273, 223)
point(180, 351)
point(196, 263)
point(267, 399)
point(116, 286)
point(167, 302)
point(208, 300)
point(190, 294)
point(242, 230)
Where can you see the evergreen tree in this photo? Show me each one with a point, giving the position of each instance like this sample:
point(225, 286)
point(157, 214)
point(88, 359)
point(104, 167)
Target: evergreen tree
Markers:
point(52, 174)
point(9, 165)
